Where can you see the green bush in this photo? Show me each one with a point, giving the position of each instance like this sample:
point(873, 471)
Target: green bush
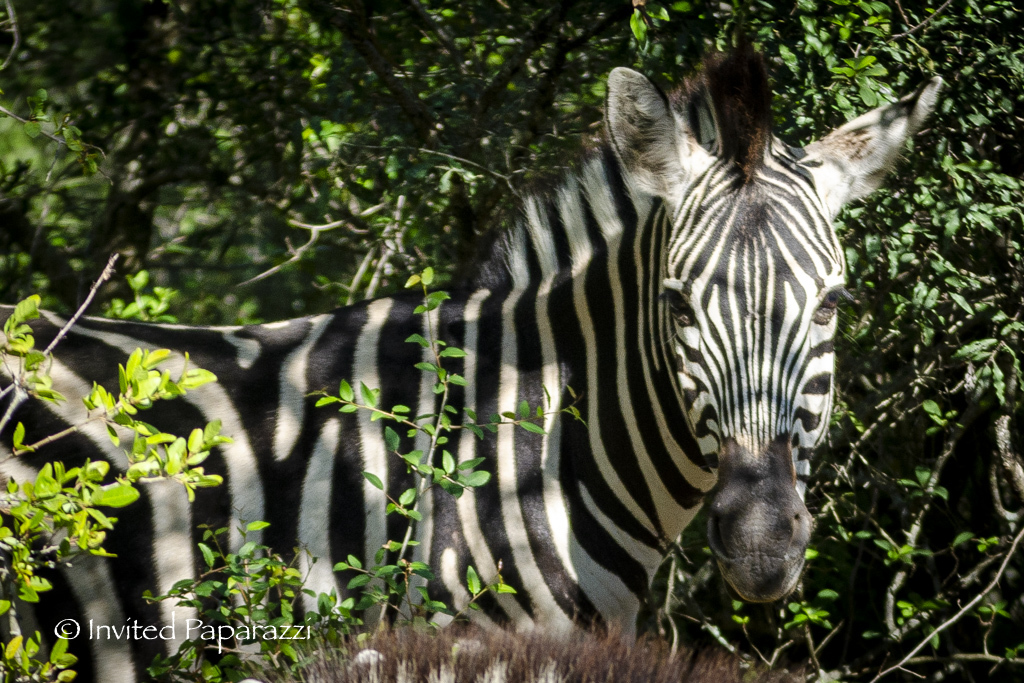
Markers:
point(59, 515)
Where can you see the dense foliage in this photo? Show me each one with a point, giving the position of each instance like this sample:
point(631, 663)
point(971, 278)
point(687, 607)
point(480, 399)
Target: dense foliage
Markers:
point(342, 145)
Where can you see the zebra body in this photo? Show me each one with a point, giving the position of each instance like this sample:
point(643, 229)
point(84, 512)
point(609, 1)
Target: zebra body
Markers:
point(680, 282)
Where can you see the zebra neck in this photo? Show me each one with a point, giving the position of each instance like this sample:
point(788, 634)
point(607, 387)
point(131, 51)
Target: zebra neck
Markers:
point(588, 260)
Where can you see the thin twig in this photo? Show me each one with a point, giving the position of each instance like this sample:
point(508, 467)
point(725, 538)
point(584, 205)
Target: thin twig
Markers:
point(993, 482)
point(16, 400)
point(14, 30)
point(901, 576)
point(831, 634)
point(1011, 461)
point(389, 247)
point(966, 657)
point(923, 23)
point(956, 617)
point(465, 161)
point(18, 386)
point(108, 270)
point(8, 112)
point(296, 254)
point(903, 14)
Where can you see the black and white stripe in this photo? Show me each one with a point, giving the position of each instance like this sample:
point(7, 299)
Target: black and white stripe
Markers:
point(583, 291)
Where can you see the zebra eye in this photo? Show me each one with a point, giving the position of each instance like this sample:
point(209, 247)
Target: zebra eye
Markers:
point(827, 310)
point(679, 307)
point(677, 297)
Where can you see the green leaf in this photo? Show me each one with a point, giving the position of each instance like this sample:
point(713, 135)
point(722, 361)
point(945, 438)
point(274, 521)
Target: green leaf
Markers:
point(531, 427)
point(961, 302)
point(345, 391)
point(195, 441)
point(407, 497)
point(197, 377)
point(419, 340)
point(369, 395)
point(154, 358)
point(26, 309)
point(13, 647)
point(452, 352)
point(256, 526)
point(374, 480)
point(359, 581)
point(391, 438)
point(472, 580)
point(58, 650)
point(657, 12)
point(961, 538)
point(475, 479)
point(115, 495)
point(19, 435)
point(639, 28)
point(208, 555)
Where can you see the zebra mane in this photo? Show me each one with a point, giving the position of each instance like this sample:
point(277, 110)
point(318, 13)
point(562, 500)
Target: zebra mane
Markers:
point(491, 266)
point(734, 91)
point(735, 86)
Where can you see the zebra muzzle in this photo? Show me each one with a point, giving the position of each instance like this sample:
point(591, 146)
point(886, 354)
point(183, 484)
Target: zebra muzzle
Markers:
point(758, 526)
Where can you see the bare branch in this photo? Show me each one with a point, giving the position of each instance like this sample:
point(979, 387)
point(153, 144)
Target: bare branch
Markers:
point(391, 246)
point(14, 31)
point(901, 576)
point(108, 270)
point(1011, 461)
point(296, 254)
point(20, 393)
point(358, 277)
point(486, 170)
point(922, 24)
point(965, 657)
point(964, 610)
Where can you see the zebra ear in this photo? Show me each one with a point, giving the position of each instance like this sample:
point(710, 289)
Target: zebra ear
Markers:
point(851, 161)
point(644, 132)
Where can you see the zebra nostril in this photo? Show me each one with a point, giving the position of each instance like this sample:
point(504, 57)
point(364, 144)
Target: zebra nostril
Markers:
point(715, 541)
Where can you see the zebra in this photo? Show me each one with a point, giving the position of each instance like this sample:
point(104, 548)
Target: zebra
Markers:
point(684, 280)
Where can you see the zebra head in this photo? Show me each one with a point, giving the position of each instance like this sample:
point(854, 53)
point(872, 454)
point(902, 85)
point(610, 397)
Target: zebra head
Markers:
point(751, 272)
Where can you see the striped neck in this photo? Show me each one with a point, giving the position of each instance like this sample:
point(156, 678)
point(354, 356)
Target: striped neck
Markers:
point(594, 252)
